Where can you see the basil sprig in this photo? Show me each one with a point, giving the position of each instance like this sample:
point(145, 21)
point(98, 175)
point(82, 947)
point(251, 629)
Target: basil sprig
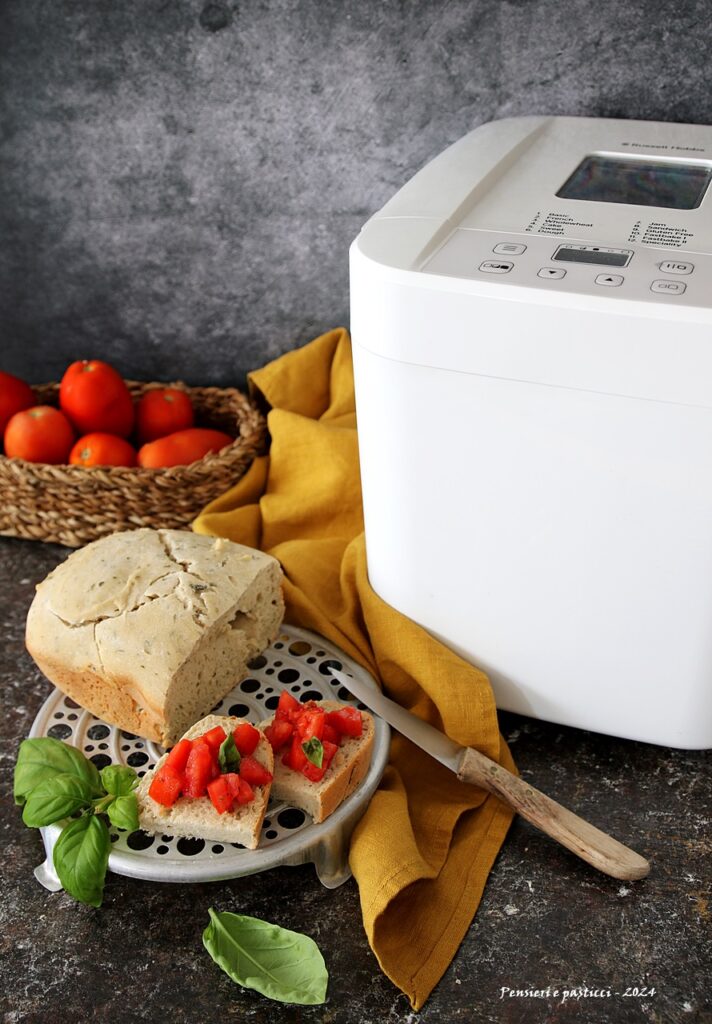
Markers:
point(53, 781)
point(280, 964)
point(314, 751)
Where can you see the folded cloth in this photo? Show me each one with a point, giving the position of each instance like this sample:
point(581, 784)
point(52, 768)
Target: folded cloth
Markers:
point(422, 852)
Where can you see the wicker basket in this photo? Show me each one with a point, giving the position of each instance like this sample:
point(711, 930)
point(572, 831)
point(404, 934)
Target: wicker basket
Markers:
point(73, 505)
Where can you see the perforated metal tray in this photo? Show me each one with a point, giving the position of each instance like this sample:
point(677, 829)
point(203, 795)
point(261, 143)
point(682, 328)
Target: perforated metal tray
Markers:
point(298, 661)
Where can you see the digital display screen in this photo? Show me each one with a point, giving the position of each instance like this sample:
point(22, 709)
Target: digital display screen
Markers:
point(604, 179)
point(601, 259)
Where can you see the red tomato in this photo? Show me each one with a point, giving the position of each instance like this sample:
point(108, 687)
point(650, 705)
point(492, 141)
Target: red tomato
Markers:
point(242, 791)
point(331, 735)
point(295, 757)
point(311, 723)
point(346, 720)
point(95, 397)
point(279, 733)
point(329, 751)
point(15, 396)
point(311, 772)
point(220, 795)
point(198, 769)
point(166, 786)
point(246, 738)
point(102, 450)
point(215, 738)
point(178, 757)
point(182, 448)
point(253, 772)
point(287, 707)
point(161, 412)
point(39, 434)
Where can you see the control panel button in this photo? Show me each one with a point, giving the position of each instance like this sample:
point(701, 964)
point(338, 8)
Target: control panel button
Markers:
point(554, 273)
point(610, 280)
point(674, 267)
point(669, 287)
point(495, 267)
point(509, 249)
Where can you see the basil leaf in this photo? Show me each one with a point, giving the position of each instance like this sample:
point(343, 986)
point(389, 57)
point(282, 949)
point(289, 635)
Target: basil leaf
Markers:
point(81, 855)
point(281, 964)
point(44, 758)
point(118, 779)
point(55, 798)
point(314, 751)
point(229, 755)
point(123, 812)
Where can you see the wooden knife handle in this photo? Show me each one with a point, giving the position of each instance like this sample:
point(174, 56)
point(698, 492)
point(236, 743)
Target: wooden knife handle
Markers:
point(579, 836)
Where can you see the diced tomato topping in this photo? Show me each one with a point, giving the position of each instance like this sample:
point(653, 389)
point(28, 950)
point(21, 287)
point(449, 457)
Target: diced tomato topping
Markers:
point(220, 795)
point(346, 720)
point(279, 733)
point(178, 757)
point(254, 772)
point(311, 772)
point(295, 757)
point(288, 706)
point(215, 738)
point(246, 738)
point(242, 791)
point(233, 781)
point(246, 793)
point(329, 751)
point(311, 723)
point(199, 769)
point(331, 734)
point(166, 786)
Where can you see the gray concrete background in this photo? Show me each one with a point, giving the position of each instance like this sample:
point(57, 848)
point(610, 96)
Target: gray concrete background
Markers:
point(181, 179)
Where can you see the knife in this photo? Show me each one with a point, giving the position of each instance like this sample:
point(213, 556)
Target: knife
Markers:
point(585, 840)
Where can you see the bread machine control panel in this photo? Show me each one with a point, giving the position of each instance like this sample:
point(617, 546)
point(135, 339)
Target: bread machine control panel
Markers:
point(589, 206)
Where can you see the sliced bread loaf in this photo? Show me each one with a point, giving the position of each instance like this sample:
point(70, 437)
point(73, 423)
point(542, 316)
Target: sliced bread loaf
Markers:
point(196, 818)
point(149, 629)
point(346, 771)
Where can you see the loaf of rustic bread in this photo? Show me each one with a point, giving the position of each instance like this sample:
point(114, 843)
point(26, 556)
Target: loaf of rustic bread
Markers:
point(197, 818)
point(347, 770)
point(149, 629)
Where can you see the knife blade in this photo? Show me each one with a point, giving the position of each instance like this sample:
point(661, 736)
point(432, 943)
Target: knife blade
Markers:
point(597, 848)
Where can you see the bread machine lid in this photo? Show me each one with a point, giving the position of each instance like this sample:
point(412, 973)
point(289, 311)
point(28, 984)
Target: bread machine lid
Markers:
point(587, 241)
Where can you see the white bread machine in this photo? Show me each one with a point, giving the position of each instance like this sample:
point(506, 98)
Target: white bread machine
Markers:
point(532, 337)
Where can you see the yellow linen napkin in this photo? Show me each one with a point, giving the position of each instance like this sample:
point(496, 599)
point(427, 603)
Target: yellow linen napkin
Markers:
point(423, 850)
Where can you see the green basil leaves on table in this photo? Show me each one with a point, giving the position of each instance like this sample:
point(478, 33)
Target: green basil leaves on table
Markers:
point(54, 798)
point(44, 758)
point(118, 779)
point(123, 813)
point(81, 855)
point(280, 964)
point(54, 781)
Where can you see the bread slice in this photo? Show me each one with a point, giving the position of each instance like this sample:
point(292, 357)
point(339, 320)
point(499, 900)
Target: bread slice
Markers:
point(344, 774)
point(196, 818)
point(149, 629)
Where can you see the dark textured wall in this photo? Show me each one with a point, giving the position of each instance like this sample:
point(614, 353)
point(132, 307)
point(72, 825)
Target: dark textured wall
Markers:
point(181, 179)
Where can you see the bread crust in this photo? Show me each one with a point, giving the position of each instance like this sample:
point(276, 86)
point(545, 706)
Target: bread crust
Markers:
point(196, 818)
point(346, 772)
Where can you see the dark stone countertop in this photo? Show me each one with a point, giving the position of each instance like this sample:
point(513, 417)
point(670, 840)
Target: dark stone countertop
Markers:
point(546, 919)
